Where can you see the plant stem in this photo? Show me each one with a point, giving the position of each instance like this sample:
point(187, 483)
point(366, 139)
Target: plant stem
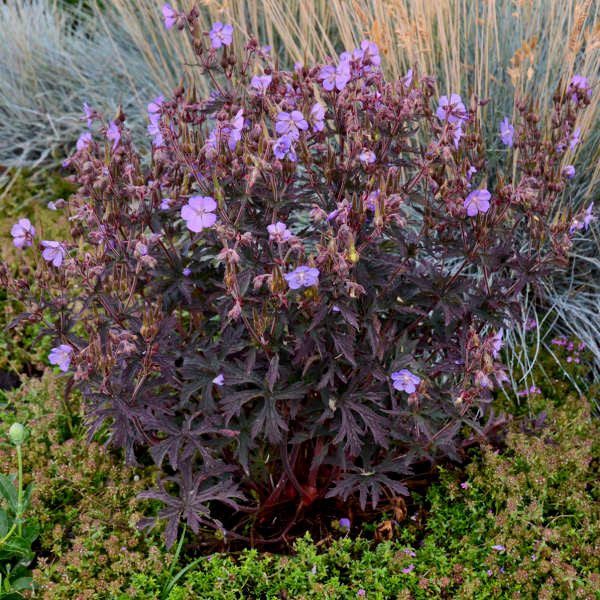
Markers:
point(20, 498)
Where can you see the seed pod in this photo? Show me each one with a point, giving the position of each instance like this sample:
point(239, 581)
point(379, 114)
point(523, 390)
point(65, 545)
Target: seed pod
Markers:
point(17, 434)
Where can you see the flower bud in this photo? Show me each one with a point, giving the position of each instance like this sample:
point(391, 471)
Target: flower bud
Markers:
point(17, 434)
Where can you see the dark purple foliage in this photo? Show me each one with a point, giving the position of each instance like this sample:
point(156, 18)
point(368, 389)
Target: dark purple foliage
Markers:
point(249, 387)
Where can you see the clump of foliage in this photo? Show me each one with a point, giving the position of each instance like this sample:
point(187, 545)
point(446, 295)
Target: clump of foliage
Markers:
point(295, 299)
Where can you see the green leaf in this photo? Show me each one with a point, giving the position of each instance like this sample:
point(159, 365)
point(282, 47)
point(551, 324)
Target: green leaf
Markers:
point(16, 546)
point(30, 531)
point(23, 583)
point(27, 496)
point(5, 522)
point(9, 492)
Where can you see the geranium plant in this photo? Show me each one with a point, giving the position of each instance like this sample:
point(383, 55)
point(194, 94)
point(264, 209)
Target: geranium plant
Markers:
point(301, 293)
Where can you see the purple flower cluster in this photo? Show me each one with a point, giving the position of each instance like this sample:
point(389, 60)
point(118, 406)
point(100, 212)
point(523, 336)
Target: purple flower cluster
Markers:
point(351, 65)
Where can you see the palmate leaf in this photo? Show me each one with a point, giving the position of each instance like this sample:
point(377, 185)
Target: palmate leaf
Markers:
point(196, 489)
point(371, 480)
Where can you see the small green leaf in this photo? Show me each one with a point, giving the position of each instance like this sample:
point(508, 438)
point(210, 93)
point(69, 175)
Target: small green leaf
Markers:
point(23, 583)
point(9, 492)
point(5, 522)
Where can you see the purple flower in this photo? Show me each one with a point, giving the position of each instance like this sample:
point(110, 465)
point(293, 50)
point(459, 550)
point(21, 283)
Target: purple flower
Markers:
point(283, 147)
point(370, 53)
point(233, 133)
point(345, 523)
point(405, 381)
point(575, 139)
point(333, 214)
point(497, 342)
point(302, 276)
point(569, 172)
point(88, 114)
point(317, 115)
point(314, 570)
point(470, 172)
point(453, 109)
point(407, 79)
point(187, 272)
point(490, 572)
point(221, 35)
point(22, 233)
point(61, 356)
point(361, 592)
point(84, 141)
point(342, 75)
point(154, 130)
point(408, 569)
point(170, 15)
point(279, 232)
point(53, 252)
point(579, 82)
point(155, 107)
point(583, 223)
point(327, 76)
point(198, 213)
point(367, 156)
point(507, 131)
point(290, 123)
point(113, 134)
point(588, 217)
point(464, 485)
point(477, 201)
point(335, 78)
point(499, 547)
point(219, 379)
point(457, 132)
point(165, 203)
point(261, 82)
point(372, 199)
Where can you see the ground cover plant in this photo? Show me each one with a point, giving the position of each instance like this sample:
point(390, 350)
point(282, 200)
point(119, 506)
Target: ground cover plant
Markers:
point(539, 538)
point(296, 299)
